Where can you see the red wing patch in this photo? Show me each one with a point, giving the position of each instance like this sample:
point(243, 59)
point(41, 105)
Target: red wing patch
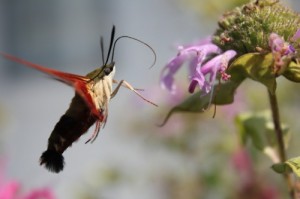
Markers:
point(67, 78)
point(82, 89)
point(77, 81)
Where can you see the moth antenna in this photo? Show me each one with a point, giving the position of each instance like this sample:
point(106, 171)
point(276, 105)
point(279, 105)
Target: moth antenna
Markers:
point(102, 49)
point(112, 37)
point(111, 44)
point(125, 36)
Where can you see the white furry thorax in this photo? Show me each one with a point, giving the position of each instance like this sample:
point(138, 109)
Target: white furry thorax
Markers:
point(101, 91)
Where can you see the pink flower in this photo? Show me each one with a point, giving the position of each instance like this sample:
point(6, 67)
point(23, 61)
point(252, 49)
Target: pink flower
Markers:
point(243, 166)
point(11, 189)
point(211, 69)
point(281, 49)
point(250, 186)
point(278, 45)
point(194, 54)
point(206, 62)
point(42, 193)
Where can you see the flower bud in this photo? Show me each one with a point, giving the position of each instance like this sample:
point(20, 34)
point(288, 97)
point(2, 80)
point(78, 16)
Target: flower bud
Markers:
point(247, 28)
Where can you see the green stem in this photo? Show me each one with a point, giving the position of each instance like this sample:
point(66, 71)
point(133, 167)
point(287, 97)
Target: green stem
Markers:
point(279, 136)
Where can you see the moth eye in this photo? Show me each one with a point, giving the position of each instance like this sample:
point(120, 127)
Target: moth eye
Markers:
point(107, 71)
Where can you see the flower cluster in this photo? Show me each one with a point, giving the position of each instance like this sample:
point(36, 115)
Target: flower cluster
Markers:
point(258, 41)
point(207, 62)
point(256, 28)
point(204, 70)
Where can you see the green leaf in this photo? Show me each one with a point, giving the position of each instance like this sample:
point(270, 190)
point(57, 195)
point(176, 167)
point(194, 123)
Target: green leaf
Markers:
point(292, 164)
point(257, 67)
point(258, 127)
point(292, 72)
point(253, 126)
point(224, 94)
point(281, 168)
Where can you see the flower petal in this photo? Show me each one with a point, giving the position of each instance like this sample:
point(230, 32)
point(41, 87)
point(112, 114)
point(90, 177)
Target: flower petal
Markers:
point(44, 193)
point(167, 80)
point(9, 190)
point(278, 45)
point(198, 79)
point(214, 66)
point(197, 54)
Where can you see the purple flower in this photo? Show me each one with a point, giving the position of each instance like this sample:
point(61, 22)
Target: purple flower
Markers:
point(203, 69)
point(195, 54)
point(278, 45)
point(212, 68)
point(281, 49)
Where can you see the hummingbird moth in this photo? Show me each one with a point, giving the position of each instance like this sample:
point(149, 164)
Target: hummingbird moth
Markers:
point(89, 105)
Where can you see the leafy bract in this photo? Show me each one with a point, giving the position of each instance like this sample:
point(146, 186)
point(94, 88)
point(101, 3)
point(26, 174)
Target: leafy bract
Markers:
point(259, 129)
point(288, 166)
point(258, 67)
point(292, 72)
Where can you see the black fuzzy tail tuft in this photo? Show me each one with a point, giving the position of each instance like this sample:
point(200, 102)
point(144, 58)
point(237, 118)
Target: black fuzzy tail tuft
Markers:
point(53, 161)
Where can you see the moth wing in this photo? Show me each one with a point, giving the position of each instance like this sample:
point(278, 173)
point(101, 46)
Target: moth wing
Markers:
point(67, 78)
point(77, 81)
point(82, 89)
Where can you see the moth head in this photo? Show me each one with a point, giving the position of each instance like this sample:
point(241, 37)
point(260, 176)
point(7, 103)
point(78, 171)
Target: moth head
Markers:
point(109, 68)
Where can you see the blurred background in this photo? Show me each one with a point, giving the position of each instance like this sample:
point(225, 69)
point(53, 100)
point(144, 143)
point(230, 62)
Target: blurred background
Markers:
point(192, 156)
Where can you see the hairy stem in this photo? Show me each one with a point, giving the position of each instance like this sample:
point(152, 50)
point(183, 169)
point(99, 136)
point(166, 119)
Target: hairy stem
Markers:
point(280, 140)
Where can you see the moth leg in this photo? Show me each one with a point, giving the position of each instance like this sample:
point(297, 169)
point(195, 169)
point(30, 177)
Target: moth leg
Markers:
point(116, 90)
point(95, 133)
point(127, 85)
point(136, 89)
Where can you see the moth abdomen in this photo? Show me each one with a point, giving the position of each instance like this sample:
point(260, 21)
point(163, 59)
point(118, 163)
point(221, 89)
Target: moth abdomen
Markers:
point(53, 160)
point(74, 123)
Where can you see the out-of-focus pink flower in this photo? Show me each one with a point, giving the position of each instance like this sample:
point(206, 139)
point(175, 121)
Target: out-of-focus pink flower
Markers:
point(43, 193)
point(250, 186)
point(242, 163)
point(11, 189)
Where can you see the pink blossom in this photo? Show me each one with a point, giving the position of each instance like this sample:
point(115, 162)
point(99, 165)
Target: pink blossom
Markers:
point(42, 193)
point(195, 54)
point(11, 189)
point(206, 62)
point(280, 50)
point(249, 185)
point(211, 68)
